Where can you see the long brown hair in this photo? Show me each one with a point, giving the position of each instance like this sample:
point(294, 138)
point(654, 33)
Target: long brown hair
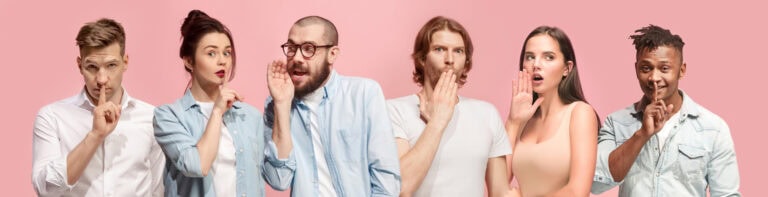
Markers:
point(569, 89)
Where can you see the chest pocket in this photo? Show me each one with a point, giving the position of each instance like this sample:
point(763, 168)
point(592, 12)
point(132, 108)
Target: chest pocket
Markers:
point(692, 161)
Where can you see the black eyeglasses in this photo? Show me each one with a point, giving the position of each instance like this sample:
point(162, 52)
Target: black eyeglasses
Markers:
point(307, 49)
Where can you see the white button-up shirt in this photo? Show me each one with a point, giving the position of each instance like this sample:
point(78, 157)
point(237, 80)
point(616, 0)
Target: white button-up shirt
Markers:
point(128, 163)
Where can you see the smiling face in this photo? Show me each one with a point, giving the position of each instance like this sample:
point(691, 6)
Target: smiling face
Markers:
point(212, 60)
point(546, 61)
point(103, 67)
point(310, 73)
point(663, 67)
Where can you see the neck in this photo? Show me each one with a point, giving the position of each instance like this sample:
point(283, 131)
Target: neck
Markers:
point(551, 104)
point(204, 93)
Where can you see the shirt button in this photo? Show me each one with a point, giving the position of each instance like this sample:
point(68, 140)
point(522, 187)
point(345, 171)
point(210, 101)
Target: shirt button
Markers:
point(235, 132)
point(657, 174)
point(241, 150)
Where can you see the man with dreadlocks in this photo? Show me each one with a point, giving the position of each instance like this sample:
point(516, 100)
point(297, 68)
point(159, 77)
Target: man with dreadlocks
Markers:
point(665, 144)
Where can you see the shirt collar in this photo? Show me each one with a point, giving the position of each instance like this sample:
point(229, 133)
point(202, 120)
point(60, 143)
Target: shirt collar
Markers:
point(328, 89)
point(688, 108)
point(125, 102)
point(188, 101)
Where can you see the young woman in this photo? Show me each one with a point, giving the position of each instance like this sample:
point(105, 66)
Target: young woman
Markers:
point(214, 143)
point(552, 129)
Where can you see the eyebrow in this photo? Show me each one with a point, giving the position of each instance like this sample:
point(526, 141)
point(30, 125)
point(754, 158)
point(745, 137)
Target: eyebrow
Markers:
point(88, 60)
point(293, 42)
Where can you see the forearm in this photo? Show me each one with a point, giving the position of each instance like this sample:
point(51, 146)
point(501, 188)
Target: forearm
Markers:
point(80, 156)
point(415, 164)
point(496, 177)
point(208, 145)
point(512, 129)
point(281, 134)
point(621, 159)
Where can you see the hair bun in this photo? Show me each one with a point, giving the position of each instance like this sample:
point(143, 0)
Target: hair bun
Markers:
point(191, 17)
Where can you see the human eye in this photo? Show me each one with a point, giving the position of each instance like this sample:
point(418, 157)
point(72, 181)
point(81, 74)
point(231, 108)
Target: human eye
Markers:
point(528, 57)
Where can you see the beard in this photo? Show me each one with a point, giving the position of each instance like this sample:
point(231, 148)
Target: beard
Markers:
point(316, 80)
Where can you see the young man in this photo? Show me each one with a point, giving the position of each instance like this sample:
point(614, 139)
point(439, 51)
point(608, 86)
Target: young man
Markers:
point(448, 145)
point(342, 143)
point(99, 142)
point(665, 144)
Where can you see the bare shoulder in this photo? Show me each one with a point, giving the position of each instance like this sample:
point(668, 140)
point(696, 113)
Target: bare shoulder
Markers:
point(583, 117)
point(582, 110)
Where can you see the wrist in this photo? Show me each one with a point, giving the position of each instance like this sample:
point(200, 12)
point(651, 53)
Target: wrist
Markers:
point(217, 112)
point(97, 135)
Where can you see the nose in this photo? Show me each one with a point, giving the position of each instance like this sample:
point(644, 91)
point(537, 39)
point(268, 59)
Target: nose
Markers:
point(297, 57)
point(449, 58)
point(102, 77)
point(655, 76)
point(222, 61)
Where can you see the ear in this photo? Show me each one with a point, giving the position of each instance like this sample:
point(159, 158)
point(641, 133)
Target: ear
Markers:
point(125, 62)
point(188, 63)
point(568, 68)
point(77, 63)
point(334, 52)
point(682, 70)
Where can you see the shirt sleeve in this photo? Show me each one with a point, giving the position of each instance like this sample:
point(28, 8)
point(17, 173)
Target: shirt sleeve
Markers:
point(501, 144)
point(722, 169)
point(175, 140)
point(606, 143)
point(398, 126)
point(382, 152)
point(277, 172)
point(49, 165)
point(157, 169)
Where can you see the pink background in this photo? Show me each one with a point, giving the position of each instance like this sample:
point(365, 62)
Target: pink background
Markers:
point(725, 45)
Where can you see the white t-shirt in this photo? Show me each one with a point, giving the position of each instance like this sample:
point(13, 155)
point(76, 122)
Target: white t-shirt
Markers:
point(664, 133)
point(223, 168)
point(475, 134)
point(323, 173)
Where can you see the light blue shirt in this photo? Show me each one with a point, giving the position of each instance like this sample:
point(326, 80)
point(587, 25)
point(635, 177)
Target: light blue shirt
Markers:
point(179, 126)
point(698, 153)
point(357, 137)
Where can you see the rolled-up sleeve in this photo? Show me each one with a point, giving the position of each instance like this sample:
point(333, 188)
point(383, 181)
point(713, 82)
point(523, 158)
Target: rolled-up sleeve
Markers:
point(277, 172)
point(49, 166)
point(382, 152)
point(177, 143)
point(606, 143)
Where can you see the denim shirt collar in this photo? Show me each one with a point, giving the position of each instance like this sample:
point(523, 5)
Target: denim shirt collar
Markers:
point(328, 89)
point(688, 109)
point(188, 101)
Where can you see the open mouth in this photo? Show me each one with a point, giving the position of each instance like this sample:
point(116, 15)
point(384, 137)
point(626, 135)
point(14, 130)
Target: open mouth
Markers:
point(221, 73)
point(299, 73)
point(537, 77)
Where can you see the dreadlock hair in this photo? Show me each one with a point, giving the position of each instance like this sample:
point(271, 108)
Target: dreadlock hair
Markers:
point(652, 37)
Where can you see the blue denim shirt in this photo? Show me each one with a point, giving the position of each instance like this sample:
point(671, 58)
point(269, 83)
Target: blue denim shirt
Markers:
point(357, 136)
point(179, 126)
point(698, 153)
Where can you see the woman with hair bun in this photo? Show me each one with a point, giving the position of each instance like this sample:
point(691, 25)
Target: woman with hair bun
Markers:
point(213, 141)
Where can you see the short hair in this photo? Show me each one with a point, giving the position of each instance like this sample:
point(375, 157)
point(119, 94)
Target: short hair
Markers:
point(652, 37)
point(100, 34)
point(424, 39)
point(195, 26)
point(331, 35)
